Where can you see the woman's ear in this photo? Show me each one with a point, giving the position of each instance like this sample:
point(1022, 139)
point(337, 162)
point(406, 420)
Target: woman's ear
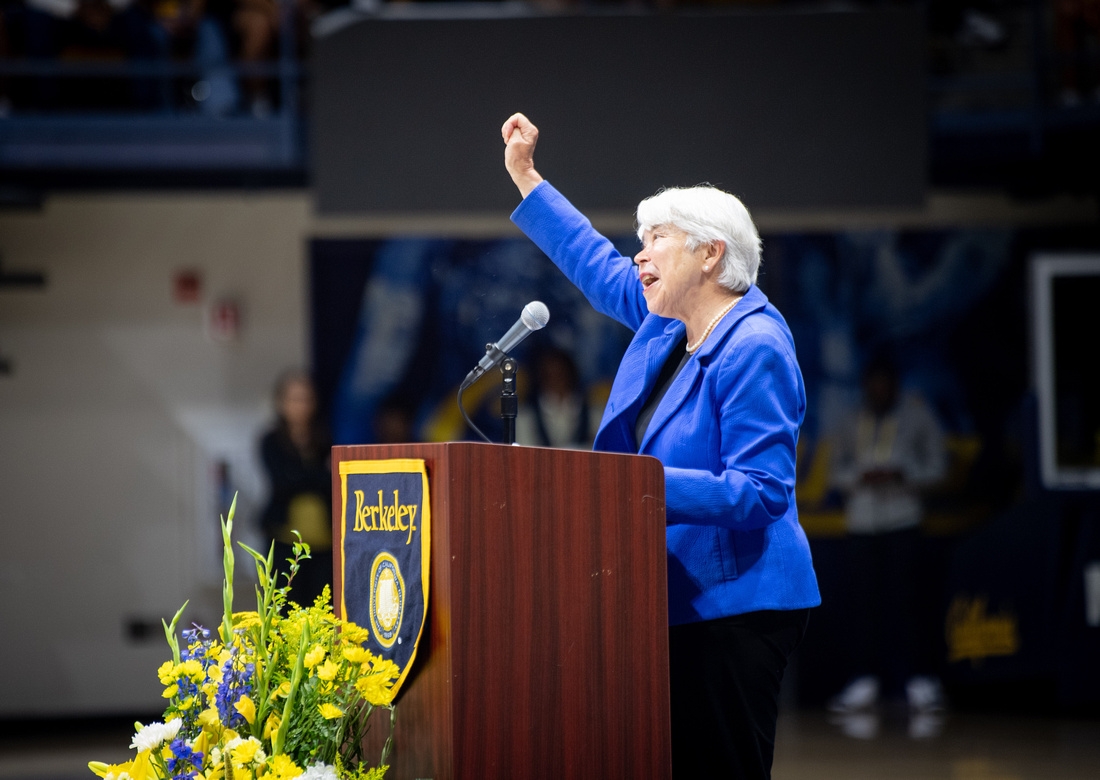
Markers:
point(712, 254)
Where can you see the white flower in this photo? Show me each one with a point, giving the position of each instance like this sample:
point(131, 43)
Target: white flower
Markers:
point(319, 772)
point(156, 734)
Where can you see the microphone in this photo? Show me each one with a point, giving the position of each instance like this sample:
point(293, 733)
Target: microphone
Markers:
point(534, 317)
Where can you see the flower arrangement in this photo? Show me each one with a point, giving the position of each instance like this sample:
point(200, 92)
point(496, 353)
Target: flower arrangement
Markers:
point(272, 696)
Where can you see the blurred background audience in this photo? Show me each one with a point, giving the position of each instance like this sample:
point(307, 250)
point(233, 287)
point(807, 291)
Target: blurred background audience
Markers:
point(886, 454)
point(295, 455)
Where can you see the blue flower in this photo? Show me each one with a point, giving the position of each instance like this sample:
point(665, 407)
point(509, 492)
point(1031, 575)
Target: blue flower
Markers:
point(236, 682)
point(185, 762)
point(198, 649)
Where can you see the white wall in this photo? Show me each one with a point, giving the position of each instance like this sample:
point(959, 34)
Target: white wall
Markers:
point(118, 408)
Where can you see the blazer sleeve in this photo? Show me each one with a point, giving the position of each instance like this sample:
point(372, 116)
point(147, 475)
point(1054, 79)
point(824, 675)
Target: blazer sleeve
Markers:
point(607, 279)
point(760, 406)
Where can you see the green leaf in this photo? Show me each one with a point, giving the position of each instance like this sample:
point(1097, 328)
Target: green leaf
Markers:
point(170, 632)
point(227, 565)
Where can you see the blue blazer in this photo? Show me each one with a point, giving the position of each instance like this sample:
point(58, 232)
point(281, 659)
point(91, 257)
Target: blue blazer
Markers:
point(726, 430)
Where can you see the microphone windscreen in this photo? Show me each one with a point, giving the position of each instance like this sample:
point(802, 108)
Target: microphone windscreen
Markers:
point(535, 315)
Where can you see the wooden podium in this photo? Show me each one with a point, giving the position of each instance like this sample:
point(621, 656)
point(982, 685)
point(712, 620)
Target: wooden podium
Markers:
point(545, 654)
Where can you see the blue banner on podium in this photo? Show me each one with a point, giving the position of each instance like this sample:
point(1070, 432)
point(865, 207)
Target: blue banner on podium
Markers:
point(385, 541)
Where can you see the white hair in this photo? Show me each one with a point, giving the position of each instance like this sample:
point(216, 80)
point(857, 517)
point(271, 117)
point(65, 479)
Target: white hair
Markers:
point(708, 214)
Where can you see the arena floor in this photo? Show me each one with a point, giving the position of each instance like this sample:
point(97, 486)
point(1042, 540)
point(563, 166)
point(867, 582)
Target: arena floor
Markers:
point(812, 745)
point(958, 746)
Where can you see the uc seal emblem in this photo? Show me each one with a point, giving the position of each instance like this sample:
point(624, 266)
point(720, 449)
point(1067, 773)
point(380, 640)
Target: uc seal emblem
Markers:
point(387, 599)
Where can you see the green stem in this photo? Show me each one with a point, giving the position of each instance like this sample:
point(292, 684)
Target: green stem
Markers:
point(267, 608)
point(158, 759)
point(288, 708)
point(388, 746)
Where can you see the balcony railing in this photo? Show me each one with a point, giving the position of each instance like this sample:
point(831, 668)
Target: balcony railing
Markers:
point(986, 101)
point(183, 121)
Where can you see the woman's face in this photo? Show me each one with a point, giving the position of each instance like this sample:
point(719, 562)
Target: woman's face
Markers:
point(670, 273)
point(297, 403)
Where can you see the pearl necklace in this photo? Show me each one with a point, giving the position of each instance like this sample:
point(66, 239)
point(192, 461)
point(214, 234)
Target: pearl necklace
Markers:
point(713, 323)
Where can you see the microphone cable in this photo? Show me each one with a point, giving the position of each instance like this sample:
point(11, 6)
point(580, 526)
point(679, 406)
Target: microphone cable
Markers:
point(461, 389)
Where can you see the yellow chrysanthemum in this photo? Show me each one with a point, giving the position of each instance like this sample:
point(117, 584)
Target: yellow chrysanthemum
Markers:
point(282, 767)
point(170, 691)
point(330, 711)
point(315, 655)
point(375, 690)
point(247, 752)
point(357, 655)
point(247, 708)
point(192, 669)
point(327, 670)
point(385, 668)
point(164, 673)
point(354, 634)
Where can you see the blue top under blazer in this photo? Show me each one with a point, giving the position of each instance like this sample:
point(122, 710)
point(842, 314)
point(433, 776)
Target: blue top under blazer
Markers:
point(725, 431)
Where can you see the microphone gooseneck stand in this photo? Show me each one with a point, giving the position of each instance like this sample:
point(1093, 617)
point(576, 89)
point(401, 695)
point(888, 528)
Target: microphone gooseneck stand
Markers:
point(509, 402)
point(534, 317)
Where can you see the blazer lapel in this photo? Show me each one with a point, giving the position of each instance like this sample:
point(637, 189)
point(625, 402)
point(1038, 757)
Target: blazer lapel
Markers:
point(678, 392)
point(635, 379)
point(683, 385)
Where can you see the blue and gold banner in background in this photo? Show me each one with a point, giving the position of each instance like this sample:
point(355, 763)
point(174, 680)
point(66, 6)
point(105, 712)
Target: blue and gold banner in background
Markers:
point(385, 541)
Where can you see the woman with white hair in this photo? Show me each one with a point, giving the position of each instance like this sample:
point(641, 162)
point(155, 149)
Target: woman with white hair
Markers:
point(710, 386)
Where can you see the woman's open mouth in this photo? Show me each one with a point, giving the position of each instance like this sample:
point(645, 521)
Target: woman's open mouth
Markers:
point(647, 280)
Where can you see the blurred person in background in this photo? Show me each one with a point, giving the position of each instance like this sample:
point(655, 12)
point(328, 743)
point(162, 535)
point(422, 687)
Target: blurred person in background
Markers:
point(197, 31)
point(557, 412)
point(6, 51)
point(255, 25)
point(296, 458)
point(96, 31)
point(1077, 42)
point(886, 454)
point(93, 31)
point(394, 422)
